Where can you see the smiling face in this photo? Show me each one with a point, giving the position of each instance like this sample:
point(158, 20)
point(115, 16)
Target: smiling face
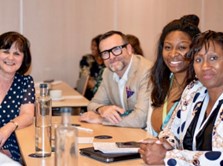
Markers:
point(10, 60)
point(208, 66)
point(117, 64)
point(175, 47)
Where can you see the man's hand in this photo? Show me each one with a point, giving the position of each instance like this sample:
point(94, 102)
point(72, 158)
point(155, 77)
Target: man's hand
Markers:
point(111, 113)
point(91, 117)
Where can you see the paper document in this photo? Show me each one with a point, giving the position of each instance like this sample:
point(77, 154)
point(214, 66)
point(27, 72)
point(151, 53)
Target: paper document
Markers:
point(85, 140)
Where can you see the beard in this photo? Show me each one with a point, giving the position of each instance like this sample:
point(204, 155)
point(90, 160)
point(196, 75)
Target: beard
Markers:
point(118, 66)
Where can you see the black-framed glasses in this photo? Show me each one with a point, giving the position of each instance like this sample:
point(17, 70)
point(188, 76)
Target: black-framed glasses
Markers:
point(116, 51)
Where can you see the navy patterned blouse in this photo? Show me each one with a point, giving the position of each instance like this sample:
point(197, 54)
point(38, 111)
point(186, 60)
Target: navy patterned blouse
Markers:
point(22, 91)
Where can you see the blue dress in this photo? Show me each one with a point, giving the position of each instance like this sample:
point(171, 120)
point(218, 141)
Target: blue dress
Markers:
point(22, 91)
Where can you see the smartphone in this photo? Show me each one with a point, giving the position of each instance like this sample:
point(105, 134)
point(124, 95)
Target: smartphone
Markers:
point(130, 144)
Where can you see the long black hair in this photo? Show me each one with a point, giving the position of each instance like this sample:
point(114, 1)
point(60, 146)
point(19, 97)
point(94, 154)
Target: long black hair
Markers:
point(160, 73)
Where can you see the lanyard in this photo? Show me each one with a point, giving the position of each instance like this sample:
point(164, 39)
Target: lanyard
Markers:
point(166, 99)
point(166, 116)
point(165, 109)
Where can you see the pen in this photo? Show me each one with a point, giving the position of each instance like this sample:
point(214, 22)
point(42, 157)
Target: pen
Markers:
point(83, 129)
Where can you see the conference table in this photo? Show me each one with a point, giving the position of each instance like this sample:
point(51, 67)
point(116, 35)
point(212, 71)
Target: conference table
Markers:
point(26, 140)
point(70, 97)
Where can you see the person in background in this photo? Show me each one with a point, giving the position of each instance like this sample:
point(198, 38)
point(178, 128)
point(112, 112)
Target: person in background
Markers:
point(17, 93)
point(135, 43)
point(170, 74)
point(87, 60)
point(194, 134)
point(122, 97)
point(96, 70)
point(92, 65)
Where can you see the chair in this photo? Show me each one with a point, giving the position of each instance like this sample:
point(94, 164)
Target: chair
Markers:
point(82, 84)
point(81, 88)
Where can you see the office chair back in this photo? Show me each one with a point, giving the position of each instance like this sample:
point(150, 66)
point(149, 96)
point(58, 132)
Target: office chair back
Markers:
point(82, 84)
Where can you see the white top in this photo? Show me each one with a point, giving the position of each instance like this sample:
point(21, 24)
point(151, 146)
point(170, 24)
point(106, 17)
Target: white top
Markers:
point(122, 82)
point(6, 161)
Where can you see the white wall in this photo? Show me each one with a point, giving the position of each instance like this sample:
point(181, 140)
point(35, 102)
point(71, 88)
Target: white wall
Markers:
point(60, 31)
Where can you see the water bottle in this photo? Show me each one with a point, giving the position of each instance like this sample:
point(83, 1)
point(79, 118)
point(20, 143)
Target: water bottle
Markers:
point(43, 123)
point(66, 152)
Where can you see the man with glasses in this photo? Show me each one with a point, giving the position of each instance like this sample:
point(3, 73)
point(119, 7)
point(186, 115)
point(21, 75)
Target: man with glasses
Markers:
point(123, 95)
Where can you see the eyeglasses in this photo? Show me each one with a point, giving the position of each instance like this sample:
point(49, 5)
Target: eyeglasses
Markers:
point(116, 51)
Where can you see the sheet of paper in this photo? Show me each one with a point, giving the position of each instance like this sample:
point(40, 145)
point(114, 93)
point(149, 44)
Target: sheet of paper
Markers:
point(111, 147)
point(85, 140)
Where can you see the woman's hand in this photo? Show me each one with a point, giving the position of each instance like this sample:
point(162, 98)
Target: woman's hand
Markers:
point(153, 152)
point(5, 132)
point(91, 83)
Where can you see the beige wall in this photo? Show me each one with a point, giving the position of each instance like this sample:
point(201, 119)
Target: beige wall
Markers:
point(60, 31)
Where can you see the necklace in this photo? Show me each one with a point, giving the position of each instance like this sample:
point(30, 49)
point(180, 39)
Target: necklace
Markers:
point(166, 99)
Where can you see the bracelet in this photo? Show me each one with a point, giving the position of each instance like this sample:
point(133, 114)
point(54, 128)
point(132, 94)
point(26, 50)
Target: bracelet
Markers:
point(16, 124)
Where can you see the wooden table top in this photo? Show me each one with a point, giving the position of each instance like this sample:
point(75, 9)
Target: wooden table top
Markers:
point(26, 140)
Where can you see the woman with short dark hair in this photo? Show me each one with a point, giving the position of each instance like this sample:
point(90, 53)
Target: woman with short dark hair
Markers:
point(17, 93)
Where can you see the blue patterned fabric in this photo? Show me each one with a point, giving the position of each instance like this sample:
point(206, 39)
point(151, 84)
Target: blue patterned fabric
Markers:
point(21, 92)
